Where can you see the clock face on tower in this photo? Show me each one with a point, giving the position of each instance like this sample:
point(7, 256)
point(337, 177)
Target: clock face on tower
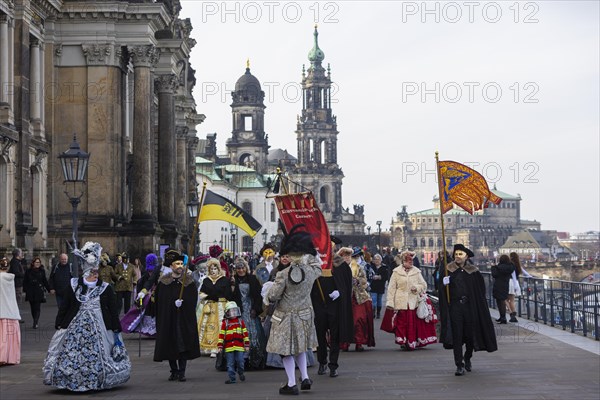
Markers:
point(247, 135)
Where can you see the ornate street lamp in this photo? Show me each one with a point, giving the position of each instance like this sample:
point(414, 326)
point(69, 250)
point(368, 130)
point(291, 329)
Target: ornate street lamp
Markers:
point(379, 233)
point(369, 236)
point(74, 163)
point(193, 208)
point(264, 235)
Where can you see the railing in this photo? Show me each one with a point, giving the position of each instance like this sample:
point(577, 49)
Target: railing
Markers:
point(572, 306)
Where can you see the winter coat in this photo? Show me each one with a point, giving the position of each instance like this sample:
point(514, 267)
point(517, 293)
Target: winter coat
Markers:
point(60, 278)
point(399, 295)
point(107, 274)
point(9, 309)
point(359, 284)
point(293, 329)
point(176, 328)
point(502, 275)
point(378, 285)
point(34, 284)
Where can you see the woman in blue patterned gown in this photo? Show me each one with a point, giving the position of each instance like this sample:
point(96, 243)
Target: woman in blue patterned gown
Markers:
point(86, 353)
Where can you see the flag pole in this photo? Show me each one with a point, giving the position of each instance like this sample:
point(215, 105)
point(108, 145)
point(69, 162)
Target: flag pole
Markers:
point(440, 183)
point(193, 241)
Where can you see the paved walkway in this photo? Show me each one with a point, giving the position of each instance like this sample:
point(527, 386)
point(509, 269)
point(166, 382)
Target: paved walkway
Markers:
point(533, 362)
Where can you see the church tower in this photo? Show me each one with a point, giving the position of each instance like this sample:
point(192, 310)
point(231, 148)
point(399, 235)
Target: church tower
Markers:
point(248, 145)
point(316, 134)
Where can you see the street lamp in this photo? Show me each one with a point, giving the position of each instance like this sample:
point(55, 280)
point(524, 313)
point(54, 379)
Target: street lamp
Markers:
point(264, 235)
point(233, 231)
point(74, 163)
point(193, 208)
point(379, 233)
point(369, 236)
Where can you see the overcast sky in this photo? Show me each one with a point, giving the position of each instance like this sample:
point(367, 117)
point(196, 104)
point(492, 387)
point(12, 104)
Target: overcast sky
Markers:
point(511, 89)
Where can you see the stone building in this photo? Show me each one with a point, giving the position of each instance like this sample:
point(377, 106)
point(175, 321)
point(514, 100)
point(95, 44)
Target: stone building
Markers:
point(316, 132)
point(246, 171)
point(484, 232)
point(117, 76)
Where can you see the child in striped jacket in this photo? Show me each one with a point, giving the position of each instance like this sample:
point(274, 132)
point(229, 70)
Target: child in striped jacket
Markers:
point(233, 340)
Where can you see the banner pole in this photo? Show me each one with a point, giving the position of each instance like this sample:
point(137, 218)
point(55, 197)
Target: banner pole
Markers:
point(440, 183)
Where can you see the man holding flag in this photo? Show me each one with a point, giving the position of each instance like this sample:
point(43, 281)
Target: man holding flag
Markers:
point(465, 317)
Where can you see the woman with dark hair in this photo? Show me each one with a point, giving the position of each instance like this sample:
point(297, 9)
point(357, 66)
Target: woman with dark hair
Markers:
point(246, 293)
point(34, 284)
point(514, 289)
point(501, 274)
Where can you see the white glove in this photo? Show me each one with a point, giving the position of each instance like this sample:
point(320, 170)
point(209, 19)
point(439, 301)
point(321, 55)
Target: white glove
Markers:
point(334, 295)
point(178, 303)
point(446, 280)
point(264, 292)
point(140, 296)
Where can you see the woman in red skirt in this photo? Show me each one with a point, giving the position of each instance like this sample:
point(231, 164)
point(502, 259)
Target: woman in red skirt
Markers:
point(404, 290)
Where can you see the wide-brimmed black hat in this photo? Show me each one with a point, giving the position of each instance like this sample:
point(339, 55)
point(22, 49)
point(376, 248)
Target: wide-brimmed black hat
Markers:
point(462, 247)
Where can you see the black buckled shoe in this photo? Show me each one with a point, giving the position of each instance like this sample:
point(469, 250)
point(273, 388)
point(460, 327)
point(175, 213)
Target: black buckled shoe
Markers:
point(181, 377)
point(468, 365)
point(333, 373)
point(289, 390)
point(460, 371)
point(322, 369)
point(305, 385)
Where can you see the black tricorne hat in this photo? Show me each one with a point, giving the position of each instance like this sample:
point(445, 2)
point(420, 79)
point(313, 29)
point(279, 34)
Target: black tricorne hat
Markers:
point(462, 247)
point(298, 241)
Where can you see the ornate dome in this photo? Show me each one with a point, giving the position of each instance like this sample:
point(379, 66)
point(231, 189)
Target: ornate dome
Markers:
point(248, 82)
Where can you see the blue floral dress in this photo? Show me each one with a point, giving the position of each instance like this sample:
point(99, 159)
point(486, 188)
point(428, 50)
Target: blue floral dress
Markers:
point(83, 356)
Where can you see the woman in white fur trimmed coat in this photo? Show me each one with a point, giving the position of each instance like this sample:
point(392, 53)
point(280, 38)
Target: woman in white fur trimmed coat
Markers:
point(404, 290)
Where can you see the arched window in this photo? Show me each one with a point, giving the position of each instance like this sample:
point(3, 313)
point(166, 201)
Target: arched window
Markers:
point(323, 194)
point(247, 206)
point(247, 244)
point(423, 242)
point(273, 213)
point(448, 242)
point(415, 243)
point(439, 242)
point(430, 242)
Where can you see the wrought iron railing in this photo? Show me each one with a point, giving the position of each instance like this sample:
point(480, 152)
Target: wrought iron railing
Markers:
point(573, 306)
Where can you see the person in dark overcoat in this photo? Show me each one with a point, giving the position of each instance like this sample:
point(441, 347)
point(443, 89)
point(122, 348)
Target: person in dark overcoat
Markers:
point(464, 311)
point(502, 275)
point(34, 284)
point(331, 297)
point(176, 332)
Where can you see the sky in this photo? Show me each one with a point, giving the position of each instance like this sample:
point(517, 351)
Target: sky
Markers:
point(508, 88)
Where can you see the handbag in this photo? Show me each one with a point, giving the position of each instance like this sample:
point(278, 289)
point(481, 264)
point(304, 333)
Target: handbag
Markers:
point(387, 323)
point(422, 309)
point(221, 360)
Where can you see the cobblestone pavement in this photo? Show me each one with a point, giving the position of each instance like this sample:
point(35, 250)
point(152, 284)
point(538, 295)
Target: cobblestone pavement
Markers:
point(528, 365)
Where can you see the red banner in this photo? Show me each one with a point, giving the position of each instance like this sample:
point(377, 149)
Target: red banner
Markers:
point(301, 208)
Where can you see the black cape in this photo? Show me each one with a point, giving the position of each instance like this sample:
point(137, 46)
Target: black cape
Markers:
point(176, 328)
point(484, 335)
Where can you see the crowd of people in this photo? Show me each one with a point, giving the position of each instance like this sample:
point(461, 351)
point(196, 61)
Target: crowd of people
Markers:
point(278, 313)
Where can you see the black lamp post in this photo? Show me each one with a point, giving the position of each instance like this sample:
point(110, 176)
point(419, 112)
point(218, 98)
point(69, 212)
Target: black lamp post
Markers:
point(369, 236)
point(264, 235)
point(193, 207)
point(233, 231)
point(379, 233)
point(74, 163)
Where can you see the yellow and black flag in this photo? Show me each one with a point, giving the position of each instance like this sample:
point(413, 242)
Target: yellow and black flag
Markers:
point(216, 207)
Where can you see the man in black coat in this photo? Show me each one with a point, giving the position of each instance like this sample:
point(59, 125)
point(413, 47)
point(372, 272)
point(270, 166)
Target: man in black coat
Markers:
point(331, 297)
point(502, 275)
point(176, 327)
point(60, 278)
point(16, 268)
point(464, 311)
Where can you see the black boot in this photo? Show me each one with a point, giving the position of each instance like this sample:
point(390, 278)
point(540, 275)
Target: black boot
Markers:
point(174, 375)
point(378, 312)
point(322, 369)
point(513, 317)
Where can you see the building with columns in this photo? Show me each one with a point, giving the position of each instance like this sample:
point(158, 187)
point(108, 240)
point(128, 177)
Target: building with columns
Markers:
point(117, 76)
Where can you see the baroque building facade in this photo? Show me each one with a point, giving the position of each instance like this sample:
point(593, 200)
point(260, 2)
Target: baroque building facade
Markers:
point(117, 76)
point(484, 232)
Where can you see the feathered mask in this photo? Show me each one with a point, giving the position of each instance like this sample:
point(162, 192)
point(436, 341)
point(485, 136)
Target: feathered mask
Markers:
point(90, 254)
point(151, 262)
